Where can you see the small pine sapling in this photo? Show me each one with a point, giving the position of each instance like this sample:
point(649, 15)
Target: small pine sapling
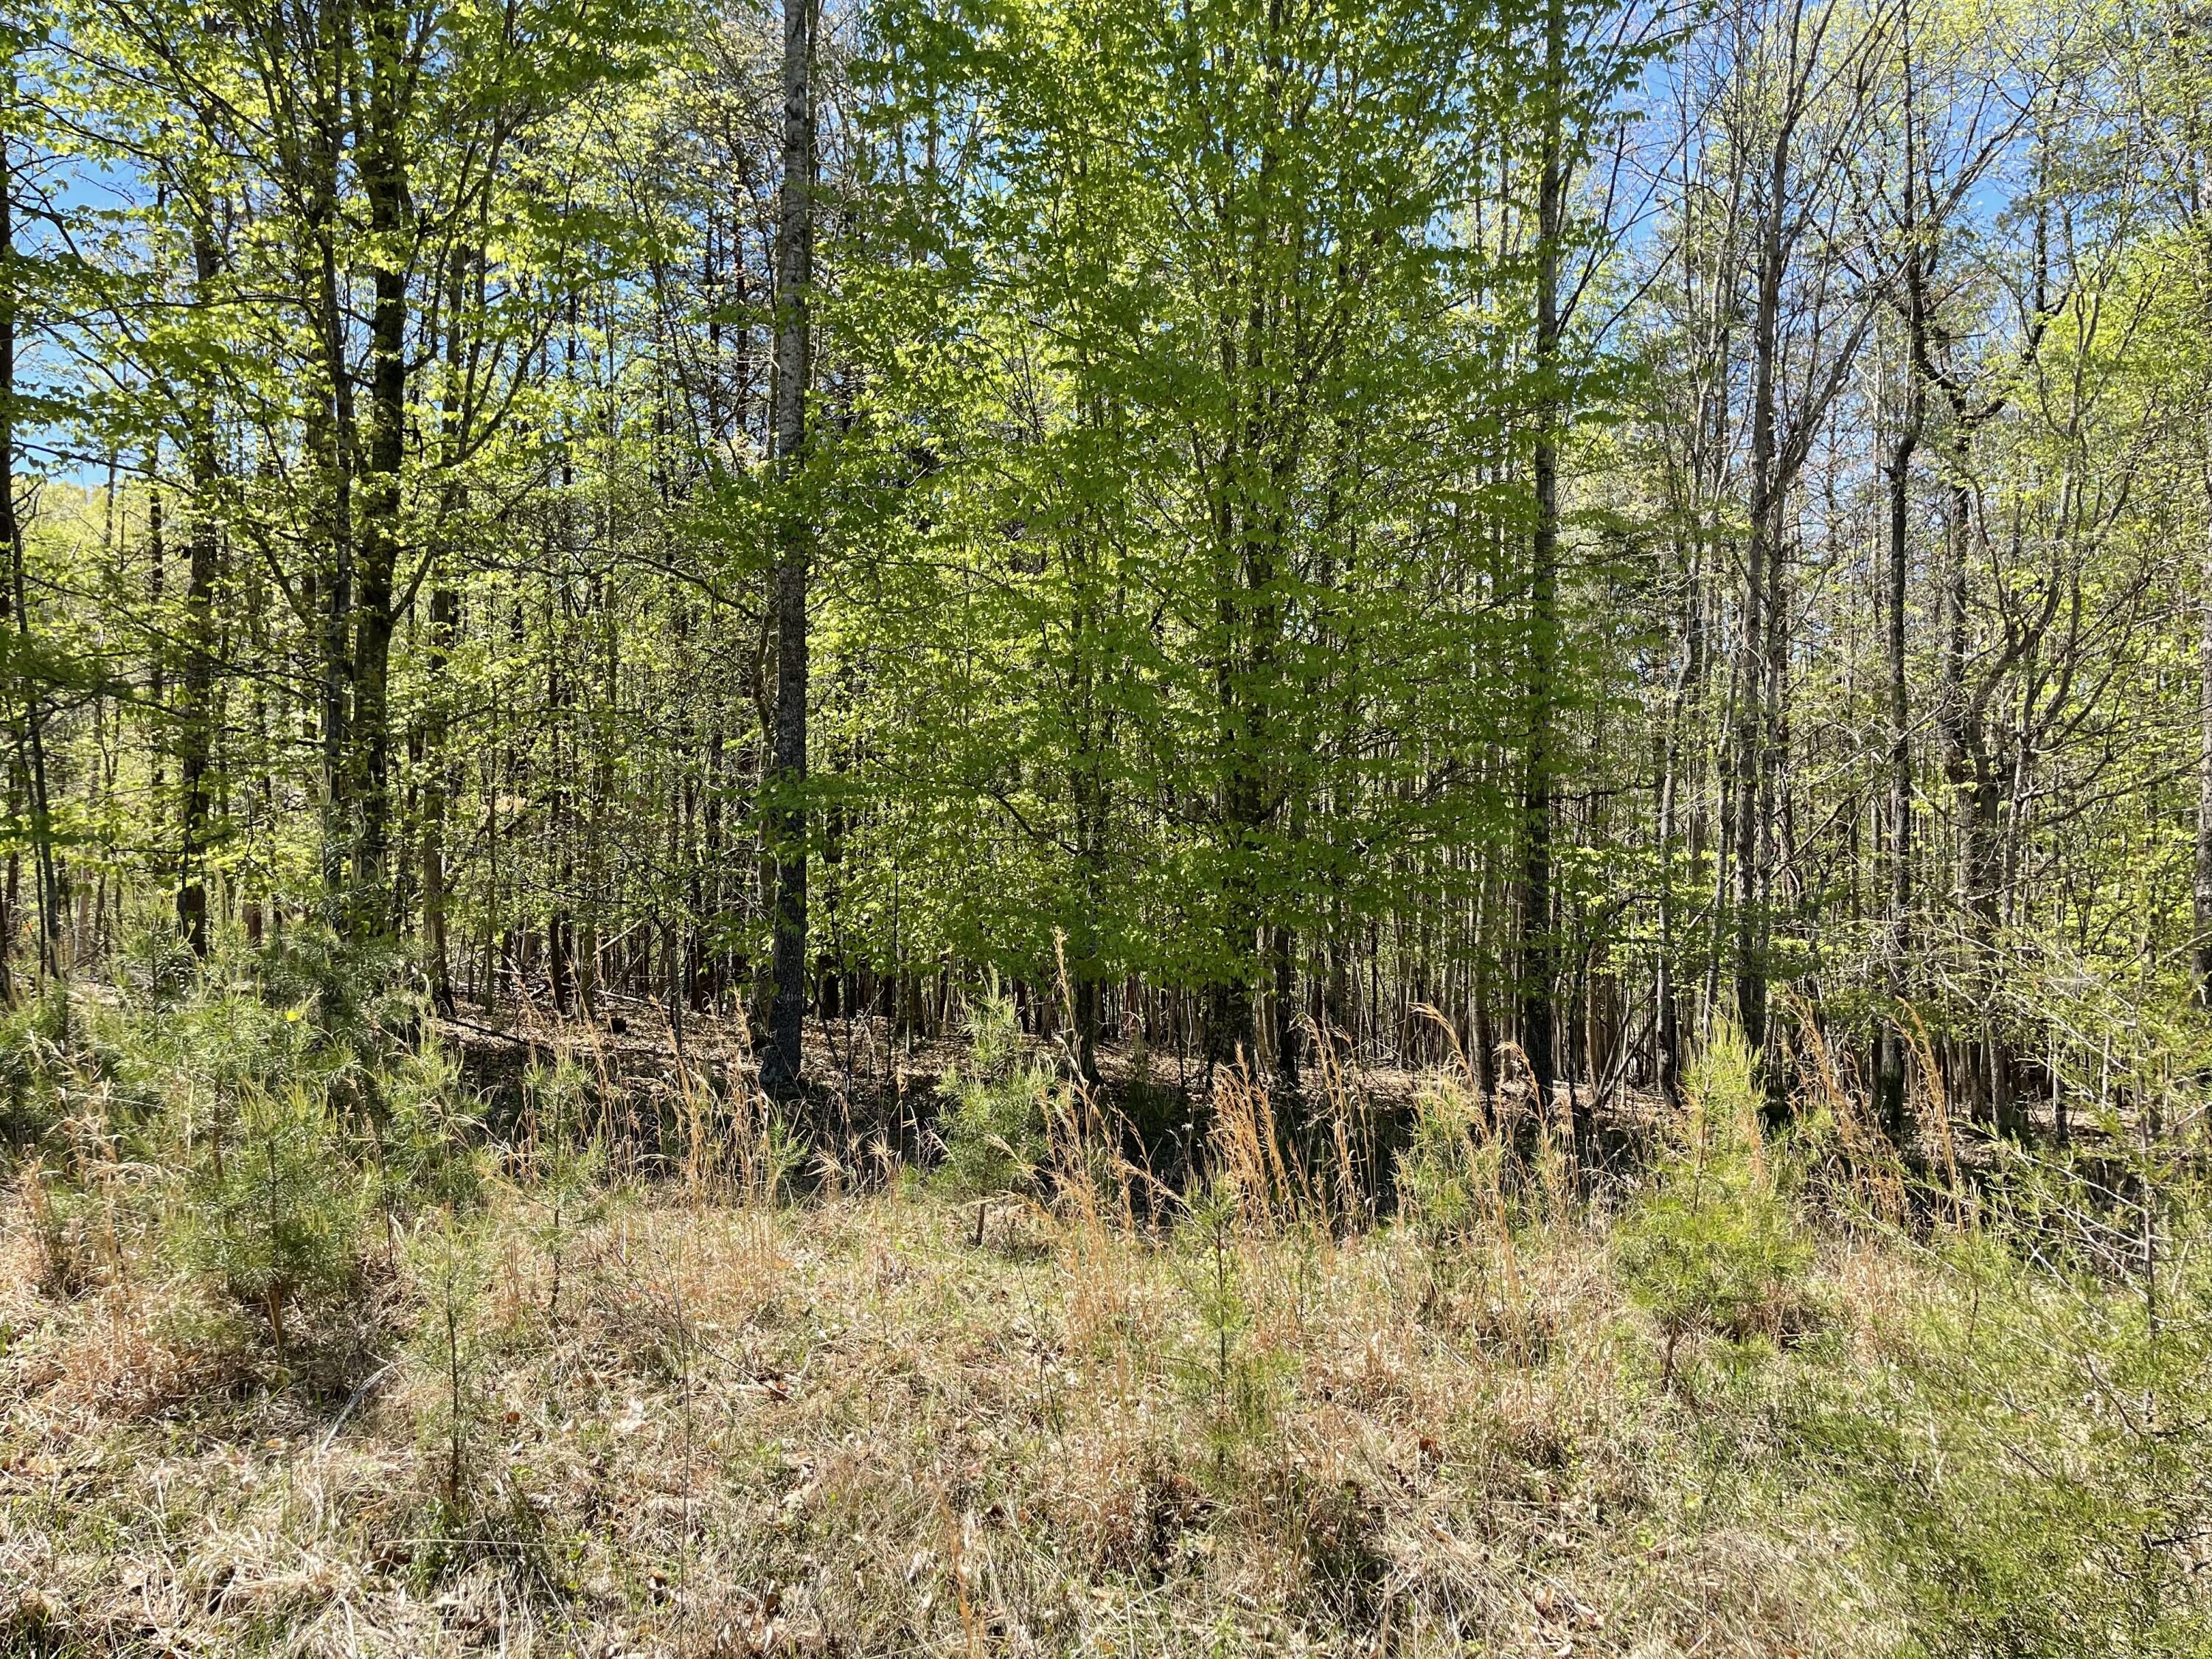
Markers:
point(430, 1154)
point(277, 1205)
point(449, 1267)
point(993, 1126)
point(567, 1160)
point(1232, 1382)
point(1715, 1248)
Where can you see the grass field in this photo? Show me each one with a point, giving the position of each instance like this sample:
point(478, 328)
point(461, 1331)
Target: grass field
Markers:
point(1714, 1406)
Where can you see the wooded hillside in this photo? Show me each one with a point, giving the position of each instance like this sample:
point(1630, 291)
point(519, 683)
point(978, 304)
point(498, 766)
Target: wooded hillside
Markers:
point(1577, 515)
point(1011, 827)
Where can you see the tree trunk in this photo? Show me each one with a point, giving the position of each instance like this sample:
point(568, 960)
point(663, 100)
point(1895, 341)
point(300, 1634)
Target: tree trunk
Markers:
point(445, 633)
point(445, 629)
point(195, 719)
point(384, 181)
point(1752, 675)
point(1889, 1066)
point(31, 733)
point(329, 439)
point(782, 1065)
point(2204, 881)
point(1538, 968)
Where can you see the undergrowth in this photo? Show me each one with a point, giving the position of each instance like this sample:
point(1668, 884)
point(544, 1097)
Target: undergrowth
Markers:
point(296, 1354)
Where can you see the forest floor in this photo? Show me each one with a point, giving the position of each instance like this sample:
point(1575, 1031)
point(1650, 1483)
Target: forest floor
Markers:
point(781, 1397)
point(873, 1091)
point(669, 1427)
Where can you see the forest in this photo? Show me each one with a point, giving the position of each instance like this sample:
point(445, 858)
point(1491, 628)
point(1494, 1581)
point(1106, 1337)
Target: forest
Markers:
point(1063, 826)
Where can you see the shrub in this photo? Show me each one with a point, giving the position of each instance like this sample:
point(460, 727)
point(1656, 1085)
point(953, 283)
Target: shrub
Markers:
point(1715, 1248)
point(216, 1045)
point(159, 968)
point(32, 1034)
point(1234, 1383)
point(430, 1154)
point(276, 1205)
point(1442, 1181)
point(992, 1125)
point(566, 1160)
point(2034, 1466)
point(354, 998)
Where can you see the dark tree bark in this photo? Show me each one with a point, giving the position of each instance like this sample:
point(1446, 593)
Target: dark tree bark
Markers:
point(1890, 1055)
point(8, 537)
point(384, 168)
point(1752, 675)
point(196, 718)
point(2202, 211)
point(1539, 970)
point(31, 731)
point(2204, 874)
point(444, 633)
point(329, 443)
point(782, 1065)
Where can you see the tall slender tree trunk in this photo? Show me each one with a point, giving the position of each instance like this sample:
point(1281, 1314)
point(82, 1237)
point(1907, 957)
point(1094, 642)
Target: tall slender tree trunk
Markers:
point(1890, 1047)
point(1689, 681)
point(782, 1065)
point(1889, 1068)
point(1951, 670)
point(330, 440)
point(1087, 787)
point(2203, 207)
point(196, 718)
point(562, 687)
point(1754, 675)
point(1539, 970)
point(32, 733)
point(8, 527)
point(2203, 884)
point(444, 630)
point(383, 166)
point(157, 594)
point(444, 633)
point(1229, 1032)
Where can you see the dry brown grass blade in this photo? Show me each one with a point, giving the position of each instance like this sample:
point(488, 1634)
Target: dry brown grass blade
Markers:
point(1938, 1105)
point(1350, 1130)
point(1877, 1175)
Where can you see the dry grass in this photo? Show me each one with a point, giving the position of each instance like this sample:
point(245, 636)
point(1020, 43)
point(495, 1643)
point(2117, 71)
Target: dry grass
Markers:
point(842, 1428)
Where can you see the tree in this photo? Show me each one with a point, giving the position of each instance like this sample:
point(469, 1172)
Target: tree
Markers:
point(783, 1063)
